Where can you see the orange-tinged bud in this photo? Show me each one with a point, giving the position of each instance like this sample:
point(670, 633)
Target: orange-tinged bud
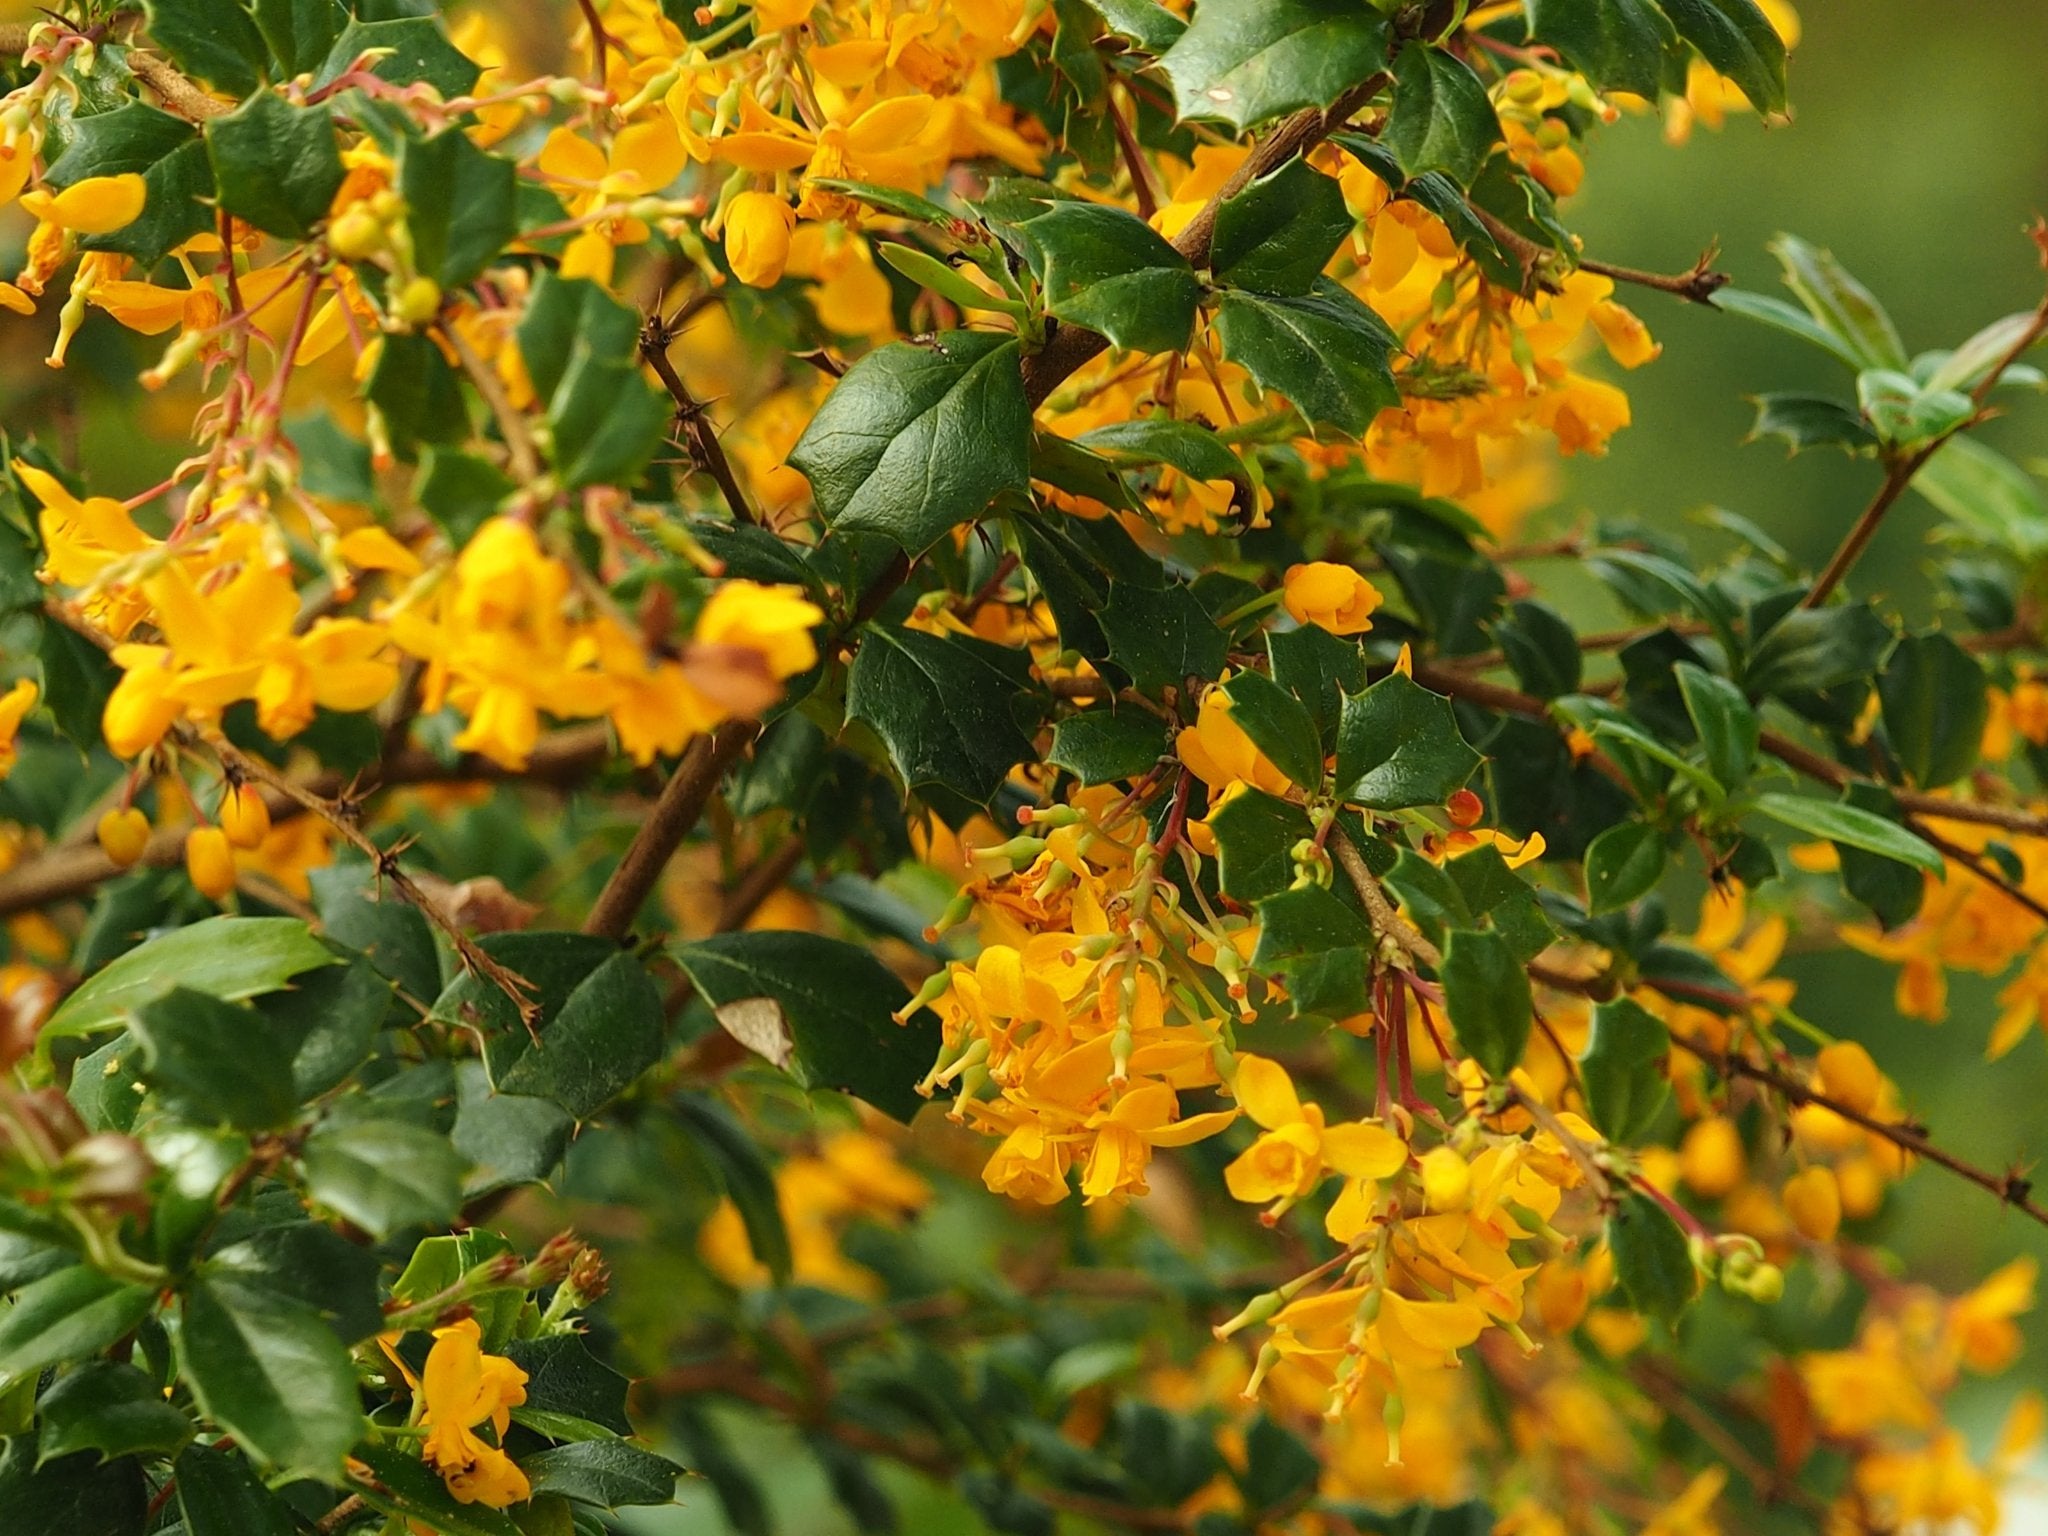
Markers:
point(1814, 1202)
point(1850, 1077)
point(210, 861)
point(1465, 808)
point(757, 227)
point(1711, 1159)
point(244, 817)
point(1333, 596)
point(123, 835)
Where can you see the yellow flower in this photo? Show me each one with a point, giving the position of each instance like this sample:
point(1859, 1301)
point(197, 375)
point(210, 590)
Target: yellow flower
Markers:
point(1219, 753)
point(14, 705)
point(99, 205)
point(1333, 596)
point(1980, 1325)
point(210, 862)
point(462, 1388)
point(123, 835)
point(1814, 1202)
point(757, 226)
point(1297, 1148)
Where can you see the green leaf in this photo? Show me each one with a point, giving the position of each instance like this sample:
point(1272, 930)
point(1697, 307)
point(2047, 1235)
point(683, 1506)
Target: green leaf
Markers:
point(1246, 61)
point(214, 41)
point(564, 1378)
point(1255, 835)
point(1277, 233)
point(581, 347)
point(1737, 38)
point(1110, 271)
point(1279, 725)
point(1789, 318)
point(1811, 421)
point(942, 706)
point(1622, 1069)
point(1442, 119)
point(1486, 993)
point(927, 271)
point(1542, 649)
point(1651, 1258)
point(67, 1316)
point(1149, 25)
point(916, 440)
point(1840, 305)
point(326, 1022)
point(1195, 451)
point(1319, 946)
point(1398, 745)
point(1318, 668)
point(1993, 499)
point(393, 935)
point(607, 1473)
point(77, 681)
point(383, 1175)
point(1966, 367)
point(406, 1488)
point(410, 49)
point(1614, 43)
point(177, 191)
point(309, 1261)
point(608, 1032)
point(818, 1008)
point(1324, 350)
point(1623, 863)
point(437, 1263)
point(462, 205)
point(270, 1371)
point(1813, 649)
point(1936, 701)
point(219, 1494)
point(1846, 824)
point(1903, 413)
point(507, 1138)
point(553, 964)
point(1891, 890)
point(1162, 636)
point(418, 393)
point(225, 957)
point(276, 165)
point(749, 1182)
point(1107, 746)
point(214, 1062)
point(110, 1408)
point(126, 141)
point(1728, 727)
point(300, 33)
point(75, 1495)
point(1501, 898)
point(460, 491)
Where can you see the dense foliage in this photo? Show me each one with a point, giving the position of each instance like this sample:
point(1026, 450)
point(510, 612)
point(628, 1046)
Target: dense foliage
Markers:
point(882, 654)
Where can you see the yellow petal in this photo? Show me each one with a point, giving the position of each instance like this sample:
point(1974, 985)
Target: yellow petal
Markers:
point(1363, 1150)
point(1262, 1087)
point(99, 205)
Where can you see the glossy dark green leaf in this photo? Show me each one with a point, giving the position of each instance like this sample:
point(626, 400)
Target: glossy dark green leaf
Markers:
point(1891, 890)
point(215, 1062)
point(462, 205)
point(1624, 863)
point(1278, 233)
point(128, 140)
point(1108, 270)
point(1279, 725)
point(404, 1487)
point(112, 1409)
point(565, 1379)
point(408, 49)
point(300, 33)
point(272, 1373)
point(1255, 836)
point(393, 935)
point(1162, 636)
point(310, 1262)
point(1840, 823)
point(1246, 61)
point(1737, 38)
point(225, 957)
point(1622, 1069)
point(383, 1175)
point(1107, 746)
point(942, 707)
point(1841, 306)
point(1398, 745)
point(1936, 700)
point(1812, 421)
point(1500, 899)
point(552, 964)
point(818, 1008)
point(1194, 450)
point(1651, 1259)
point(215, 41)
point(1319, 946)
point(610, 1474)
point(1146, 23)
point(326, 1021)
point(1318, 668)
point(1766, 309)
point(1442, 119)
point(749, 1181)
point(1486, 993)
point(1728, 726)
point(77, 681)
point(76, 1495)
point(1324, 350)
point(507, 1139)
point(69, 1315)
point(1613, 43)
point(916, 440)
point(1542, 649)
point(460, 491)
point(608, 1032)
point(277, 166)
point(219, 1494)
point(581, 347)
point(419, 394)
point(1812, 649)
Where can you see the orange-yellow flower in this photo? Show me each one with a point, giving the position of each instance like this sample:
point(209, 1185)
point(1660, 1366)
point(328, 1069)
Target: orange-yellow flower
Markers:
point(462, 1389)
point(1333, 596)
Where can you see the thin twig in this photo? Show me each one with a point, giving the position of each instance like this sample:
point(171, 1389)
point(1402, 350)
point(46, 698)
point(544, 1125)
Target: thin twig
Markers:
point(656, 335)
point(1144, 190)
point(341, 1515)
point(179, 95)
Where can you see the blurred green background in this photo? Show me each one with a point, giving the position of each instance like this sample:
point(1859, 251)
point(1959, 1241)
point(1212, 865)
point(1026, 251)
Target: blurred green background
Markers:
point(1918, 154)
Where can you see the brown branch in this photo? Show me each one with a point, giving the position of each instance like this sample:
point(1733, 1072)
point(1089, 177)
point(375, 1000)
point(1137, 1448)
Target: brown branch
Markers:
point(2011, 1188)
point(683, 798)
point(1386, 918)
point(1698, 285)
point(178, 94)
point(339, 1516)
point(1143, 187)
point(1900, 471)
point(656, 336)
point(758, 883)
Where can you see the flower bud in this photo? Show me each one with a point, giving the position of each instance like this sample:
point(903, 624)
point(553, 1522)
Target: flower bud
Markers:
point(123, 835)
point(1711, 1159)
point(210, 861)
point(1446, 1179)
point(357, 234)
point(1814, 1203)
point(418, 301)
point(244, 817)
point(757, 226)
point(1849, 1076)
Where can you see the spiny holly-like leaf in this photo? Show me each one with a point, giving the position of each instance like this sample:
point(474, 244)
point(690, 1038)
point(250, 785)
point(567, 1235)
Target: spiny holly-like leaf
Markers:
point(1486, 993)
point(1398, 745)
point(942, 706)
point(1613, 43)
point(1621, 1067)
point(1324, 350)
point(1278, 233)
point(1110, 271)
point(1246, 61)
point(1737, 38)
point(1442, 118)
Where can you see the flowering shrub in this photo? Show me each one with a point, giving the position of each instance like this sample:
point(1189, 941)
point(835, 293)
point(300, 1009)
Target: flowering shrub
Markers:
point(880, 654)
